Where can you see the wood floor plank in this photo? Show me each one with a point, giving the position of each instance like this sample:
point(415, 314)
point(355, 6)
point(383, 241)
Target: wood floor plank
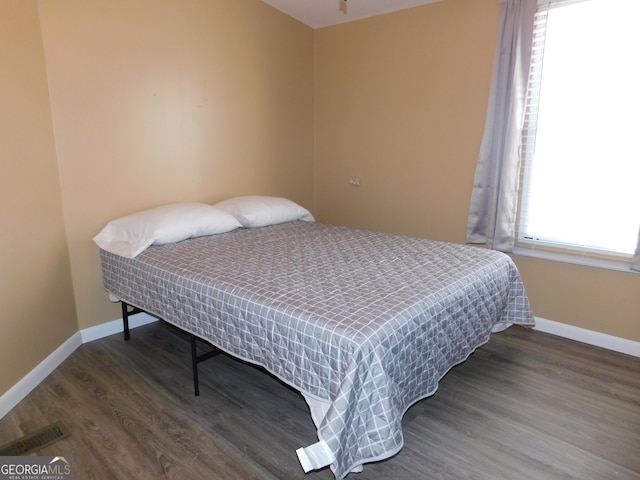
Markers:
point(525, 406)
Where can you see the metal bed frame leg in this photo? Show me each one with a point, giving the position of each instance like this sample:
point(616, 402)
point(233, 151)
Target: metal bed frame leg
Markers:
point(194, 365)
point(125, 320)
point(125, 317)
point(195, 358)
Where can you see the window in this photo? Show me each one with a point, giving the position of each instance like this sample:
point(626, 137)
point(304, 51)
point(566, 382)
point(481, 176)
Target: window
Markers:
point(581, 161)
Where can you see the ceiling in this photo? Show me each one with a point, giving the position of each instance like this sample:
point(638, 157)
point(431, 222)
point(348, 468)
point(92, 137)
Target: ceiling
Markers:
point(322, 13)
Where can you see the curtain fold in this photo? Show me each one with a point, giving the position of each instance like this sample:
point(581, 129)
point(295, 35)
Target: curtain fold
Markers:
point(494, 200)
point(635, 261)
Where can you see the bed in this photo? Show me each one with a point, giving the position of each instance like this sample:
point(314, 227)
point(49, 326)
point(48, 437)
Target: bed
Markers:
point(364, 324)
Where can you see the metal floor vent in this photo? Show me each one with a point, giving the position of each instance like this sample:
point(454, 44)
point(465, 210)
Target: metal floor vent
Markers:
point(35, 441)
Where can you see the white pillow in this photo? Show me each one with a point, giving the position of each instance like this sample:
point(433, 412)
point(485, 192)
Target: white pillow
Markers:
point(131, 235)
point(258, 211)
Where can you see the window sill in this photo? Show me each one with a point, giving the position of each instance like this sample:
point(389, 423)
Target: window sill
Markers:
point(618, 265)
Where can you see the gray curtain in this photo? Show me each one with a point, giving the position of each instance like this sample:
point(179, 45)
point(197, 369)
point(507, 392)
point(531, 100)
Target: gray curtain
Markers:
point(494, 200)
point(635, 261)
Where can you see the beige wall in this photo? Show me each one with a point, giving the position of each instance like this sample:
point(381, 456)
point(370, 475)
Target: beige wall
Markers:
point(400, 102)
point(156, 101)
point(36, 295)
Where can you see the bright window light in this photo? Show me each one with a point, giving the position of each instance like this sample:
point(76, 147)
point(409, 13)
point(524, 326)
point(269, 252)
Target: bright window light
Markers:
point(582, 185)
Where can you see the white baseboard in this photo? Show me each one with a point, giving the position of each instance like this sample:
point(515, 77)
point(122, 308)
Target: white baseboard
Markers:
point(115, 326)
point(30, 381)
point(583, 335)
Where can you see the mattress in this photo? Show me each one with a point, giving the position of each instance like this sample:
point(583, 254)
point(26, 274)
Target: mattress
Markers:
point(362, 323)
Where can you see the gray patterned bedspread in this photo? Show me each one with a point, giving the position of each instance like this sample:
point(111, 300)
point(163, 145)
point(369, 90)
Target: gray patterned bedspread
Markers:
point(367, 321)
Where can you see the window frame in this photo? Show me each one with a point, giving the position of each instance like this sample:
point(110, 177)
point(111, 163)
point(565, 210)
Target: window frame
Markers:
point(544, 249)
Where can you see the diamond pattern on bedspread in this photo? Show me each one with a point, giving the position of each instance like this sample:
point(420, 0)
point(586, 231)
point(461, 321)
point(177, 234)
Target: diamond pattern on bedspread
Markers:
point(365, 320)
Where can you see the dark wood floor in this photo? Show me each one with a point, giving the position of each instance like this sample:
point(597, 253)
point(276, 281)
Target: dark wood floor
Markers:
point(525, 406)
